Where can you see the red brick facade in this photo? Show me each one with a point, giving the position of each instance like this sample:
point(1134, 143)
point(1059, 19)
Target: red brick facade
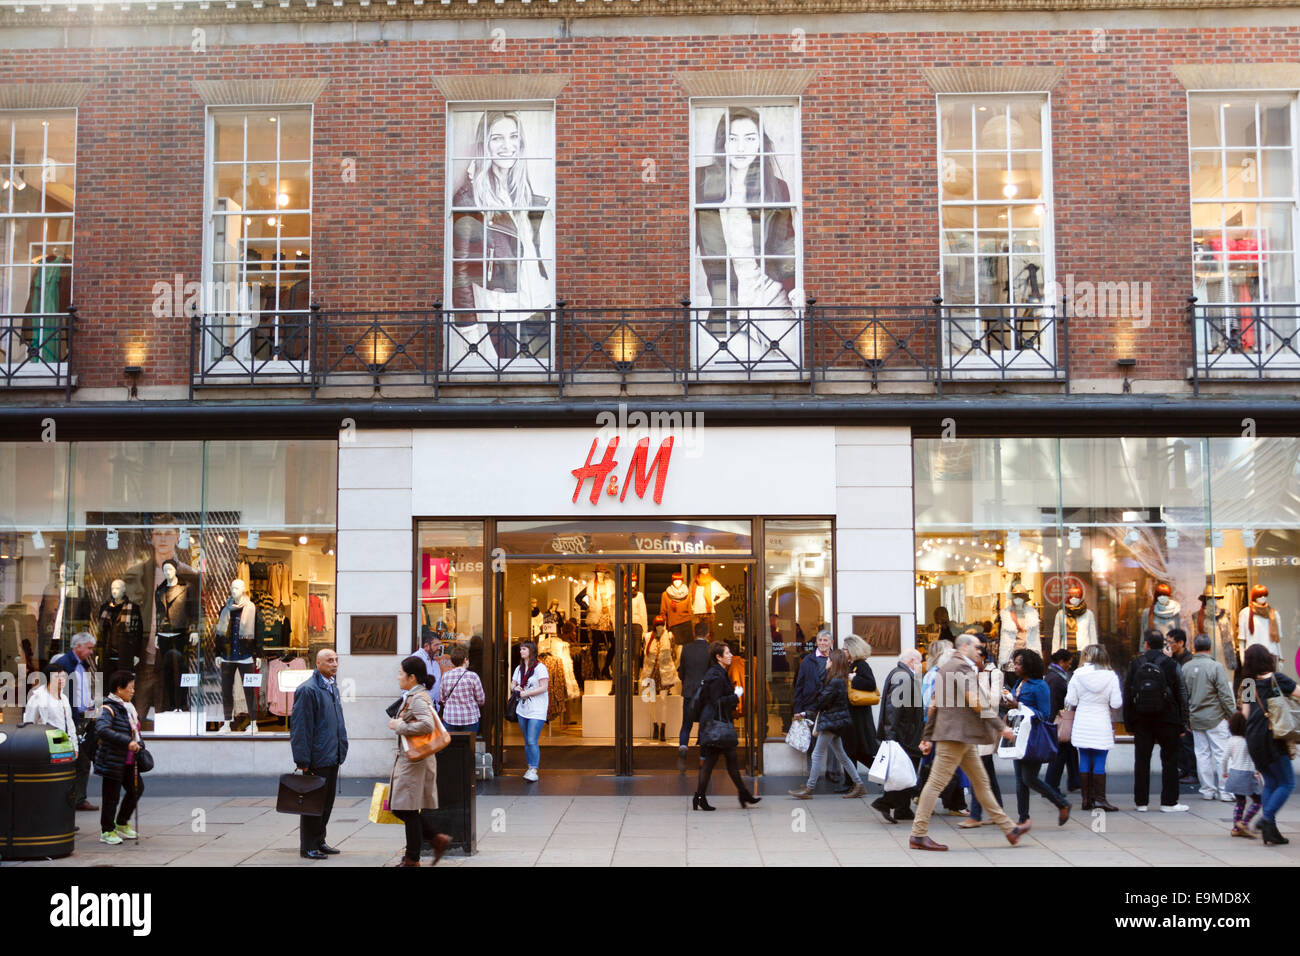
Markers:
point(1119, 142)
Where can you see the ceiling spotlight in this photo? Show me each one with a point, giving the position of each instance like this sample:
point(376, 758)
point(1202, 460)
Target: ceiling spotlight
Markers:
point(302, 539)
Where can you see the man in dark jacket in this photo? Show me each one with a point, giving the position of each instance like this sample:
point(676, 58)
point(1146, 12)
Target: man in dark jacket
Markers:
point(691, 668)
point(1155, 711)
point(319, 741)
point(901, 720)
point(1180, 652)
point(1067, 758)
point(808, 684)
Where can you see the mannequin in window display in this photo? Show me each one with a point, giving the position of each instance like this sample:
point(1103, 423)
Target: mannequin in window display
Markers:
point(1259, 624)
point(1020, 627)
point(1164, 612)
point(600, 619)
point(552, 619)
point(142, 581)
point(675, 609)
point(707, 593)
point(1218, 624)
point(747, 252)
point(658, 674)
point(534, 619)
point(64, 610)
point(17, 639)
point(119, 630)
point(638, 607)
point(238, 643)
point(498, 265)
point(176, 604)
point(1075, 626)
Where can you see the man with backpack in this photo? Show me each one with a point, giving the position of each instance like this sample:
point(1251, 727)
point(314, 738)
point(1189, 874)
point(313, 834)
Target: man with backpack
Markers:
point(1155, 712)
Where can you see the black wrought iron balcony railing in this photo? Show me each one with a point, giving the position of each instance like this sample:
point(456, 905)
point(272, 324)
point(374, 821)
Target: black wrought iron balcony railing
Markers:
point(1244, 341)
point(36, 349)
point(684, 345)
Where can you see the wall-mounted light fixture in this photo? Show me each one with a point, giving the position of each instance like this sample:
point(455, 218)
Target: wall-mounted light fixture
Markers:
point(133, 373)
point(1127, 364)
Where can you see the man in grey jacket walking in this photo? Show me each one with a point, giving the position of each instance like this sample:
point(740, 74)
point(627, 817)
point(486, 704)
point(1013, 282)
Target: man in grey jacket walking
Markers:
point(1210, 702)
point(320, 744)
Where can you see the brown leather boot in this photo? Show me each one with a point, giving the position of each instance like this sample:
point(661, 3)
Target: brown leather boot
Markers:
point(859, 790)
point(802, 793)
point(407, 861)
point(1085, 791)
point(1099, 794)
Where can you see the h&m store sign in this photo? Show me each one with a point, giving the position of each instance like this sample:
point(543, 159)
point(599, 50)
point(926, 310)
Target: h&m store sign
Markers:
point(640, 470)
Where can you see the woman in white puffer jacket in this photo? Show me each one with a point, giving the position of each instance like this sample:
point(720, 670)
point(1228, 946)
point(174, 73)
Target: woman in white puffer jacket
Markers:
point(1093, 691)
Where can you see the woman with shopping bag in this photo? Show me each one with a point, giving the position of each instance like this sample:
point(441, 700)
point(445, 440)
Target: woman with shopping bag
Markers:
point(413, 786)
point(1033, 694)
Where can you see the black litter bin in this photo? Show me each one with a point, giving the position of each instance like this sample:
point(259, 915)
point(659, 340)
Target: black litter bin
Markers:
point(456, 793)
point(37, 769)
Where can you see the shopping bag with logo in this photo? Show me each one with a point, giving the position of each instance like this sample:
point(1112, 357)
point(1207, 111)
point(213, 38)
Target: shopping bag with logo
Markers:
point(1021, 722)
point(879, 771)
point(799, 736)
point(899, 773)
point(379, 809)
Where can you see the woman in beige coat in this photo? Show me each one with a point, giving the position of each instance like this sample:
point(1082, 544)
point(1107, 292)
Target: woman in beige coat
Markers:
point(413, 787)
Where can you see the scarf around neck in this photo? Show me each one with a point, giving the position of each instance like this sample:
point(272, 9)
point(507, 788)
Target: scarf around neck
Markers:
point(1269, 612)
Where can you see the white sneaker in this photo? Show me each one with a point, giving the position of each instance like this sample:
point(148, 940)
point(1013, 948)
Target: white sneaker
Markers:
point(1176, 808)
point(1142, 809)
point(1208, 796)
point(110, 837)
point(224, 728)
point(1227, 798)
point(531, 774)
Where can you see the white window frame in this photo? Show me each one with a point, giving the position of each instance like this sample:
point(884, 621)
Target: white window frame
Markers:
point(454, 358)
point(244, 357)
point(1226, 319)
point(741, 353)
point(11, 334)
point(1025, 362)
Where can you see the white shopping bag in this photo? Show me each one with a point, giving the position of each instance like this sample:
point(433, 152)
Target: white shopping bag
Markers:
point(902, 775)
point(879, 771)
point(1021, 721)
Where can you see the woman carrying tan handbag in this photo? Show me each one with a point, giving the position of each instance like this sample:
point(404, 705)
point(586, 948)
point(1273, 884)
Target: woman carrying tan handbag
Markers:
point(413, 787)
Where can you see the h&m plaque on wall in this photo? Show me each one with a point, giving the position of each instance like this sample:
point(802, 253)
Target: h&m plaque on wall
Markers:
point(374, 633)
point(882, 631)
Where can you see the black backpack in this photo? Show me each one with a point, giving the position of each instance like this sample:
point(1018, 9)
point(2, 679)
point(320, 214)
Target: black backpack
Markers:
point(1151, 692)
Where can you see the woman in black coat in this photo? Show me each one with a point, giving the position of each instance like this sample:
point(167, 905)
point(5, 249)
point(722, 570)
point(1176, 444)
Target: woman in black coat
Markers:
point(833, 722)
point(716, 700)
point(860, 742)
point(117, 729)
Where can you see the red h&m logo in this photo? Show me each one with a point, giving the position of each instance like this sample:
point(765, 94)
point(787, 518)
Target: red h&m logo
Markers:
point(638, 473)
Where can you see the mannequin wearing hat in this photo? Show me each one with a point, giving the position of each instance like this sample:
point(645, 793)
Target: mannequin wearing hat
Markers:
point(1164, 612)
point(706, 594)
point(1218, 624)
point(1020, 626)
point(1075, 626)
point(675, 608)
point(1259, 623)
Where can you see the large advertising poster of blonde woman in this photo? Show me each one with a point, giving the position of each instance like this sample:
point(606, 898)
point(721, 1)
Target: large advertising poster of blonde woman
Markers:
point(746, 267)
point(501, 242)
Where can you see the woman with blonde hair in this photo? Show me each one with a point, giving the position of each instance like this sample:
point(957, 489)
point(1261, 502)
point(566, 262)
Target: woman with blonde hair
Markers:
point(1092, 692)
point(860, 742)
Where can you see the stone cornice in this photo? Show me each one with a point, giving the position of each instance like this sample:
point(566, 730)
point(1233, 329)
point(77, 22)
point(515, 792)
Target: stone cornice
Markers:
point(18, 96)
point(1238, 76)
point(83, 13)
point(746, 82)
point(259, 92)
point(992, 79)
point(501, 86)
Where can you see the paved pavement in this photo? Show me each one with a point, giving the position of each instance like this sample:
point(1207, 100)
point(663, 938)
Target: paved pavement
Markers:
point(525, 828)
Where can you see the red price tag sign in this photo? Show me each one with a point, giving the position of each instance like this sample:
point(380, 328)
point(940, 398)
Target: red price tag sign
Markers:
point(1052, 589)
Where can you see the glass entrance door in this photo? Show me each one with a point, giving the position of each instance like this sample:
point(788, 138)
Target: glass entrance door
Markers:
point(569, 612)
point(662, 604)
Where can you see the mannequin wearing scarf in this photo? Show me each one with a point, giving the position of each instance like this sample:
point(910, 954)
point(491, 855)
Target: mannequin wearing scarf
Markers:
point(675, 608)
point(1259, 622)
point(1020, 626)
point(1164, 613)
point(1075, 626)
point(237, 643)
point(1217, 623)
point(706, 594)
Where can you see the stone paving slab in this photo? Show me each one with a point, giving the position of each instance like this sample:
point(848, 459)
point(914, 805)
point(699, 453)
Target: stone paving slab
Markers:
point(533, 829)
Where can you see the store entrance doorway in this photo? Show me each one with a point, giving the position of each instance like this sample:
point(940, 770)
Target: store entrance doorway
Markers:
point(616, 703)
